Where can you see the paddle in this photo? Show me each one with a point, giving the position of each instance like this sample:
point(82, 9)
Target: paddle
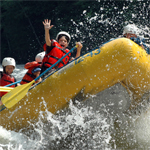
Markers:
point(5, 89)
point(15, 95)
point(13, 83)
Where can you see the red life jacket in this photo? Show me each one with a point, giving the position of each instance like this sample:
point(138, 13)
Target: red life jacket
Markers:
point(29, 76)
point(5, 80)
point(54, 55)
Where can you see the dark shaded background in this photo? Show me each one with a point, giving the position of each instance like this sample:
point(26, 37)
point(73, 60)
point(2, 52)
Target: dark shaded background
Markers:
point(91, 22)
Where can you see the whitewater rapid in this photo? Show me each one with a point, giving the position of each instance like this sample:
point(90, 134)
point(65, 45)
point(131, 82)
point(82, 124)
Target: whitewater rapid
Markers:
point(100, 122)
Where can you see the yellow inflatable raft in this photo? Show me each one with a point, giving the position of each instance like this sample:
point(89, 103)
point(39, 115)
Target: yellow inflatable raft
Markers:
point(120, 60)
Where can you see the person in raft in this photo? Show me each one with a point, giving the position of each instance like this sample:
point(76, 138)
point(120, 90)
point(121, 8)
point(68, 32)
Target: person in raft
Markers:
point(6, 78)
point(34, 69)
point(131, 32)
point(56, 49)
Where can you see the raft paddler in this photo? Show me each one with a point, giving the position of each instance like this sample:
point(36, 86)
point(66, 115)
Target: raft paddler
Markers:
point(56, 49)
point(6, 78)
point(34, 69)
point(131, 31)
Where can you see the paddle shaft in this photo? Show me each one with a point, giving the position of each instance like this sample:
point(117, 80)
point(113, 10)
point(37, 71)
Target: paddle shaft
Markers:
point(5, 89)
point(55, 64)
point(13, 83)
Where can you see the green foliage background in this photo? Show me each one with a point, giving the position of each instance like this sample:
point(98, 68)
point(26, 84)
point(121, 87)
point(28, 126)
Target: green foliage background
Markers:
point(22, 31)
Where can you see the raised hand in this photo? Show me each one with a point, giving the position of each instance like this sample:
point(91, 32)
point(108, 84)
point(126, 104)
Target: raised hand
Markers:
point(47, 24)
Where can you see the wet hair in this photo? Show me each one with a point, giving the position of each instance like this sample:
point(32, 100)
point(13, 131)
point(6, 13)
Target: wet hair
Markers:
point(66, 37)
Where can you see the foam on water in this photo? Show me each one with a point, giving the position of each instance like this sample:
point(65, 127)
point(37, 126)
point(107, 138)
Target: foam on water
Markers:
point(77, 127)
point(142, 126)
point(13, 140)
point(102, 121)
point(97, 123)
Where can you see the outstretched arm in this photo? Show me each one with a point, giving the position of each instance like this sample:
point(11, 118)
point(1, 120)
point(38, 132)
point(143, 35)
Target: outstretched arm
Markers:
point(47, 27)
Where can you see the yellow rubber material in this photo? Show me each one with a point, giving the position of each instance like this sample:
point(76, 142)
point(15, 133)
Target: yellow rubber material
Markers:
point(120, 60)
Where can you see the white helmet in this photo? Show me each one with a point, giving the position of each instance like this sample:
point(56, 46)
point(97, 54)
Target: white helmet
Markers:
point(8, 61)
point(39, 57)
point(131, 28)
point(64, 33)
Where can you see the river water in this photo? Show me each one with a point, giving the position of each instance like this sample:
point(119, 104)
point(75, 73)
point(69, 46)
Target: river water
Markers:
point(100, 122)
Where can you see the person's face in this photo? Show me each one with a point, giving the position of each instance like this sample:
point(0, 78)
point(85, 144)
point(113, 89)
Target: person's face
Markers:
point(129, 35)
point(37, 73)
point(63, 42)
point(9, 69)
